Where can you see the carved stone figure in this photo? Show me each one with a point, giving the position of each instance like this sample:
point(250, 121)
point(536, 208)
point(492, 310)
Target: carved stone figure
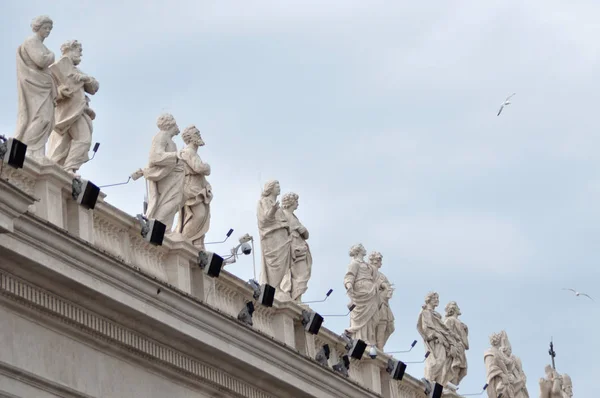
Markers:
point(36, 89)
point(461, 336)
point(296, 281)
point(496, 364)
point(361, 286)
point(164, 173)
point(567, 386)
point(71, 139)
point(552, 385)
point(194, 216)
point(385, 327)
point(439, 341)
point(275, 241)
point(515, 369)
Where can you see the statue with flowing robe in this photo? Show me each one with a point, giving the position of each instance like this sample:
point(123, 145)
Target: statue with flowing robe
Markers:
point(552, 385)
point(461, 336)
point(194, 216)
point(301, 263)
point(36, 89)
point(71, 139)
point(362, 289)
point(438, 340)
point(385, 327)
point(498, 376)
point(515, 368)
point(275, 241)
point(164, 174)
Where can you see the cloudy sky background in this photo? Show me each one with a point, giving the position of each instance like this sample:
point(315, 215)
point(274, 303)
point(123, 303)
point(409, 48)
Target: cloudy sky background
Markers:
point(382, 117)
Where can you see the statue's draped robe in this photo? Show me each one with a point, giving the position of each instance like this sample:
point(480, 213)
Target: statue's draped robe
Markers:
point(365, 316)
point(71, 139)
point(296, 281)
point(275, 243)
point(459, 364)
point(194, 217)
point(520, 380)
point(385, 326)
point(165, 178)
point(37, 93)
point(497, 374)
point(439, 361)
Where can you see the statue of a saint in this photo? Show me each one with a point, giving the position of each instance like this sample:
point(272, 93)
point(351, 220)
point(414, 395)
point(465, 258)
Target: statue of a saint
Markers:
point(71, 139)
point(194, 216)
point(275, 240)
point(36, 89)
point(461, 336)
point(567, 386)
point(496, 364)
point(438, 340)
point(301, 257)
point(385, 326)
point(552, 385)
point(164, 173)
point(515, 369)
point(361, 287)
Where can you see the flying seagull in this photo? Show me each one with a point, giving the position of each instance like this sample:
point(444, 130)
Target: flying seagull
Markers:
point(505, 103)
point(579, 294)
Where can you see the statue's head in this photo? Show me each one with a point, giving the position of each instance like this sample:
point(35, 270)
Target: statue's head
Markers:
point(506, 347)
point(567, 385)
point(496, 340)
point(42, 26)
point(357, 250)
point(72, 49)
point(166, 122)
point(289, 201)
point(271, 188)
point(376, 259)
point(191, 135)
point(452, 309)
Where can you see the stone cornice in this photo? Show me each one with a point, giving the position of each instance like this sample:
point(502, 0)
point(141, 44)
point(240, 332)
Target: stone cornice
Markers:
point(13, 203)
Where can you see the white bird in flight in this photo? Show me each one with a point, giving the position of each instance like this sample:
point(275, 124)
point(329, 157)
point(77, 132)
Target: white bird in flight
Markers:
point(579, 294)
point(505, 103)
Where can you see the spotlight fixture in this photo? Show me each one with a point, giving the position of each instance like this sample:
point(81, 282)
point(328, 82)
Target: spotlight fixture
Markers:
point(432, 390)
point(354, 347)
point(245, 314)
point(396, 369)
point(263, 294)
point(413, 344)
point(85, 193)
point(12, 152)
point(311, 321)
point(342, 366)
point(95, 150)
point(210, 263)
point(320, 301)
point(322, 356)
point(153, 231)
point(224, 240)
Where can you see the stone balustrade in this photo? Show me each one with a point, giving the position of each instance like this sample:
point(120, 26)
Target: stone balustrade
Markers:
point(117, 234)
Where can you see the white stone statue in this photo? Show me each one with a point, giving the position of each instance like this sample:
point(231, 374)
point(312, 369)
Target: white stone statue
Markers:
point(552, 386)
point(36, 89)
point(71, 139)
point(361, 286)
point(385, 327)
point(164, 173)
point(499, 378)
point(194, 216)
point(461, 336)
point(439, 341)
point(275, 241)
point(567, 386)
point(301, 257)
point(515, 369)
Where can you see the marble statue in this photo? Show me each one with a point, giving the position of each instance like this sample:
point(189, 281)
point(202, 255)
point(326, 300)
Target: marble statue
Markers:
point(515, 369)
point(385, 327)
point(36, 89)
point(275, 241)
point(194, 216)
point(164, 173)
point(71, 139)
point(552, 386)
point(567, 386)
point(499, 379)
point(439, 341)
point(458, 369)
point(361, 286)
point(301, 262)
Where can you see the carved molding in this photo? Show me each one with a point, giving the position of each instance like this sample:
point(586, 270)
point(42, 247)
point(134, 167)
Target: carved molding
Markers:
point(32, 296)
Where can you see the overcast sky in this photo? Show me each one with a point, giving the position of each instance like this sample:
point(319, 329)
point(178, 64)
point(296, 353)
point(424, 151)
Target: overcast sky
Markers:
point(382, 117)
